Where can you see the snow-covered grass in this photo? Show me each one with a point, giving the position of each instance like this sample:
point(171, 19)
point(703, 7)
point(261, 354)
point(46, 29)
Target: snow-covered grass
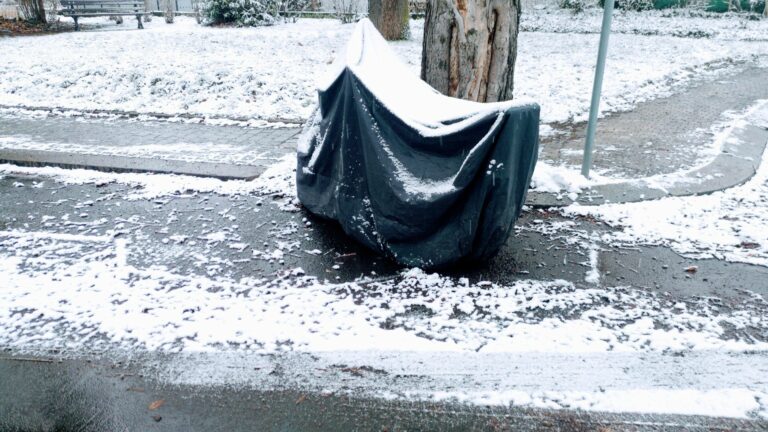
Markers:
point(270, 72)
point(671, 22)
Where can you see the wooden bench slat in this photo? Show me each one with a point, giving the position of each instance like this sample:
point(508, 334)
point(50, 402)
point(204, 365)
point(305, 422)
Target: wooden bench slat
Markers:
point(93, 15)
point(115, 5)
point(106, 7)
point(102, 12)
point(104, 4)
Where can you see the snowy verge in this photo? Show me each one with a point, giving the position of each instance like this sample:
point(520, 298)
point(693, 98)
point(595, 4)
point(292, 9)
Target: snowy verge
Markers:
point(684, 23)
point(268, 73)
point(727, 402)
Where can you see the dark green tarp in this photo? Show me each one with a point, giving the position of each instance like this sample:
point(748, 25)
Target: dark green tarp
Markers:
point(422, 178)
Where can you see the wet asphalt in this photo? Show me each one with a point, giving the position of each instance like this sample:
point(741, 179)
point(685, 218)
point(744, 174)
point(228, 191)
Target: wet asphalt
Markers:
point(98, 391)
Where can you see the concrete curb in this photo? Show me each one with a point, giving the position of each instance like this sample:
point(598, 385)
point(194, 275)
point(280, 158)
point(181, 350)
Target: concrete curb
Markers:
point(154, 115)
point(122, 164)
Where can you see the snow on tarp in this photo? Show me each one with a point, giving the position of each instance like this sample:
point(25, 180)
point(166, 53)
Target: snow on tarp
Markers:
point(421, 177)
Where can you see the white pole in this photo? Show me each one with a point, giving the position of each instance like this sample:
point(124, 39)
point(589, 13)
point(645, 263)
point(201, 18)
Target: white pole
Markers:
point(599, 70)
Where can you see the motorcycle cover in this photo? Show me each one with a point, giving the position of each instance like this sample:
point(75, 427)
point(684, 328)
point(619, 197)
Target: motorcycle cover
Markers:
point(423, 178)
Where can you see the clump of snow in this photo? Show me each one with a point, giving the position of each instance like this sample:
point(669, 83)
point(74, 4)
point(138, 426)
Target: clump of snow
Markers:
point(560, 180)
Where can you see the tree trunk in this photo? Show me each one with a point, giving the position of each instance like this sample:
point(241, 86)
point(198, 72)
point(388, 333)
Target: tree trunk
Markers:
point(41, 12)
point(168, 6)
point(390, 17)
point(470, 48)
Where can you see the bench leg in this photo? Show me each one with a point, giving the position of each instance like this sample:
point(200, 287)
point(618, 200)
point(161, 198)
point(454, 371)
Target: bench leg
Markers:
point(138, 18)
point(77, 26)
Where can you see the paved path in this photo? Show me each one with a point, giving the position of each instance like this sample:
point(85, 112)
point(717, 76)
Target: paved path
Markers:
point(659, 137)
point(128, 145)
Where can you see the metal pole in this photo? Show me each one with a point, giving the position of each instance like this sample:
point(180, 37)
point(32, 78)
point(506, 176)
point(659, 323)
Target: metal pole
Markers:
point(599, 70)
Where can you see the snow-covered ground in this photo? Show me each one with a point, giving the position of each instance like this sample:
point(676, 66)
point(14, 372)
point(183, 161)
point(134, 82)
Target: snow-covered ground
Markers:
point(731, 224)
point(269, 73)
point(65, 290)
point(671, 22)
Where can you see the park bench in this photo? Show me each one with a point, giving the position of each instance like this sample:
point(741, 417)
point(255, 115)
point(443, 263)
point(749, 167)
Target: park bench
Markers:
point(76, 9)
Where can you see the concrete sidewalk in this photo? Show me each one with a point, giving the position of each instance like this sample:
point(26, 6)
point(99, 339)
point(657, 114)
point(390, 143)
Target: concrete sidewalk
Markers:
point(120, 145)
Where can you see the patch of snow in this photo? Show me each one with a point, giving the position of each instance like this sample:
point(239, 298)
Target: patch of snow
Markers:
point(593, 274)
point(726, 402)
point(277, 180)
point(70, 292)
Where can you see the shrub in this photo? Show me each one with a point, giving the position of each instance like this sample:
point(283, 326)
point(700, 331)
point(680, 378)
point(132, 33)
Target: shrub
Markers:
point(576, 6)
point(744, 5)
point(249, 12)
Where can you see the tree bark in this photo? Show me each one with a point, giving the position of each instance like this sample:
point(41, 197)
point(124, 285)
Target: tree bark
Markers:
point(168, 12)
point(41, 16)
point(390, 17)
point(470, 47)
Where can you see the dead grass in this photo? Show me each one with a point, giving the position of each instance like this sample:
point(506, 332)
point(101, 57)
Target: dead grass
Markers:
point(15, 27)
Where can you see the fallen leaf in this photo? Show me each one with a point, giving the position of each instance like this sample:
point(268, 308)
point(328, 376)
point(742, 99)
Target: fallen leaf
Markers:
point(156, 404)
point(301, 399)
point(692, 269)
